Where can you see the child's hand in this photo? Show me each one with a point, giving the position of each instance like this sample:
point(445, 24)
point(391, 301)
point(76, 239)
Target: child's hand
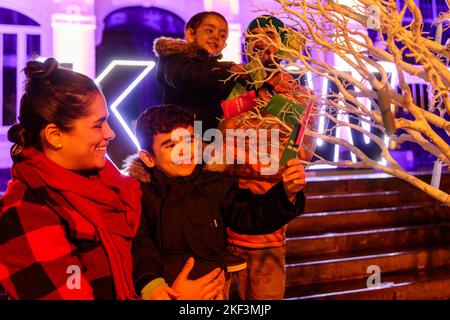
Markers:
point(207, 287)
point(293, 178)
point(163, 293)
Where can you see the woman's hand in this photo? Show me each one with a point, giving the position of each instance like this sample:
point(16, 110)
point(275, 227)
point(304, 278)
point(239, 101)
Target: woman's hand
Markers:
point(294, 178)
point(208, 287)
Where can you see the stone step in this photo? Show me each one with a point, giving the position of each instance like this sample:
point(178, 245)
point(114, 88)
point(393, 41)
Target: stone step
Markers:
point(355, 222)
point(364, 200)
point(330, 268)
point(348, 241)
point(314, 223)
point(422, 285)
point(373, 182)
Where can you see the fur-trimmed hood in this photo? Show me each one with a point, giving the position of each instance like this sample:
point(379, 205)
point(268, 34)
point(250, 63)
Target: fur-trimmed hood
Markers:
point(166, 47)
point(135, 168)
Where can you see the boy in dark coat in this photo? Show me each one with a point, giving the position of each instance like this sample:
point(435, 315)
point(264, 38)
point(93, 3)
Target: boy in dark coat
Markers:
point(189, 71)
point(186, 207)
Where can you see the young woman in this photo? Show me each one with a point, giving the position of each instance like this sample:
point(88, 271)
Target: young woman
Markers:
point(68, 216)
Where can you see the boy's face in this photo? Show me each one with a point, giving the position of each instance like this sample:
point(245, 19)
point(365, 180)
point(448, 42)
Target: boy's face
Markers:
point(167, 154)
point(210, 35)
point(263, 46)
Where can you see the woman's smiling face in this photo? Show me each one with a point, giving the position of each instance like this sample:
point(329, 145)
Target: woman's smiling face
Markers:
point(84, 146)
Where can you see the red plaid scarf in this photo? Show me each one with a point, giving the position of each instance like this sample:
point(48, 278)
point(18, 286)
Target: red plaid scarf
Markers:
point(109, 201)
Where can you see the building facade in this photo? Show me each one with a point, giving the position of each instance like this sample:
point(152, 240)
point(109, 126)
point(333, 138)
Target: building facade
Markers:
point(76, 31)
point(71, 30)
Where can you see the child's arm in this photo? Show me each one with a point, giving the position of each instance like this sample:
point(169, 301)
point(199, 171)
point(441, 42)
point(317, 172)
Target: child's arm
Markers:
point(247, 213)
point(147, 262)
point(184, 73)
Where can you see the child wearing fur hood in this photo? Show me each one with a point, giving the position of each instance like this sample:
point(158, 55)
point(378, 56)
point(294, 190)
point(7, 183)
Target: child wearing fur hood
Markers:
point(186, 207)
point(189, 71)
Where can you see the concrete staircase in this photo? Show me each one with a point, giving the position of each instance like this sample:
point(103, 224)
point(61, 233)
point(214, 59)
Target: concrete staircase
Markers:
point(356, 221)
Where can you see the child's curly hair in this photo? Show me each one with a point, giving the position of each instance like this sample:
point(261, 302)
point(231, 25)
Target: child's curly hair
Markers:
point(160, 119)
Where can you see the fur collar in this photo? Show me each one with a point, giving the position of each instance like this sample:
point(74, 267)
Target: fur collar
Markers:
point(166, 47)
point(135, 168)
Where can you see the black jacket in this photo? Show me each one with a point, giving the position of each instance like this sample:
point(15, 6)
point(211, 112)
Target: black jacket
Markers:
point(187, 217)
point(192, 79)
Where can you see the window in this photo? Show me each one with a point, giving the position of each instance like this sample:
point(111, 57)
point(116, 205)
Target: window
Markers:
point(20, 40)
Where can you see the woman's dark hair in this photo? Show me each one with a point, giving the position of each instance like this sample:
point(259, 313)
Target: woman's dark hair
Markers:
point(198, 18)
point(52, 95)
point(160, 119)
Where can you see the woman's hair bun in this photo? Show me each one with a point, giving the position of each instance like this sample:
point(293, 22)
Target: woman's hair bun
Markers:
point(17, 134)
point(41, 70)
